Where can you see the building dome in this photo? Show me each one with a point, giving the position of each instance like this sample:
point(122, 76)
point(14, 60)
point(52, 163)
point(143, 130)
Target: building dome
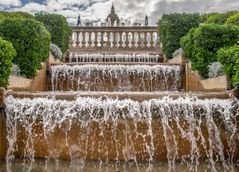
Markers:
point(113, 17)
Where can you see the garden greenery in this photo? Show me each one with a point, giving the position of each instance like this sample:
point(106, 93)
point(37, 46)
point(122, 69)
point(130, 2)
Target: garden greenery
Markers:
point(56, 51)
point(201, 45)
point(172, 27)
point(7, 53)
point(234, 19)
point(58, 28)
point(30, 39)
point(229, 58)
point(219, 18)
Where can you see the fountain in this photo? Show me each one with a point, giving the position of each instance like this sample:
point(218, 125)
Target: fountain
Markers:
point(118, 112)
point(93, 57)
point(115, 77)
point(184, 129)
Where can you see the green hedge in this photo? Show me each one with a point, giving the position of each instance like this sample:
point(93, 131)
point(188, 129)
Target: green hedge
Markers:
point(4, 14)
point(172, 27)
point(234, 19)
point(219, 18)
point(229, 58)
point(7, 53)
point(202, 44)
point(58, 28)
point(31, 41)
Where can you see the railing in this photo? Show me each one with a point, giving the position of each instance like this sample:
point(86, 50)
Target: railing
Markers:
point(115, 39)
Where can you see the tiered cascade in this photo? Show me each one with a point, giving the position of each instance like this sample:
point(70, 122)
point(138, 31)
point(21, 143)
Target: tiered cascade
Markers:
point(179, 128)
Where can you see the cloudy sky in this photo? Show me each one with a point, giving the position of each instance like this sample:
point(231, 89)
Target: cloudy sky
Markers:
point(127, 9)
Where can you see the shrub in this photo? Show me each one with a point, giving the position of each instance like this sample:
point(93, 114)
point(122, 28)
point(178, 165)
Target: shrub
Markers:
point(229, 58)
point(215, 70)
point(234, 19)
point(31, 41)
point(7, 53)
point(4, 14)
point(172, 27)
point(220, 18)
point(58, 28)
point(202, 44)
point(56, 51)
point(178, 52)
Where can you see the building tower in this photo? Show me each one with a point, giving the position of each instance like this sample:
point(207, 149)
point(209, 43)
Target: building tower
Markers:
point(146, 21)
point(78, 21)
point(113, 18)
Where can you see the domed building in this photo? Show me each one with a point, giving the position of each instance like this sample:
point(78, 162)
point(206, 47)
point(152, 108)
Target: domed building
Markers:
point(113, 18)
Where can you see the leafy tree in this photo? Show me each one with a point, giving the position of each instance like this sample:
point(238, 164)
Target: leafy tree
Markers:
point(234, 19)
point(220, 18)
point(202, 44)
point(31, 41)
point(172, 27)
point(58, 28)
point(7, 53)
point(4, 14)
point(229, 58)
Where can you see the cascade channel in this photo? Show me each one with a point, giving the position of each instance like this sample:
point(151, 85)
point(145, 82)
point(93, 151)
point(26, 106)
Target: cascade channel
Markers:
point(131, 116)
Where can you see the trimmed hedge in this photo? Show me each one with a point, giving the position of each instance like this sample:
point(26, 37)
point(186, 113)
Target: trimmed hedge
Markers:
point(202, 44)
point(172, 27)
point(7, 53)
point(229, 58)
point(58, 28)
point(31, 41)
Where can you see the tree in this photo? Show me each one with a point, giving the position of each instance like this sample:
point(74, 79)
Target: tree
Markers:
point(172, 27)
point(7, 53)
point(58, 28)
point(31, 41)
point(201, 45)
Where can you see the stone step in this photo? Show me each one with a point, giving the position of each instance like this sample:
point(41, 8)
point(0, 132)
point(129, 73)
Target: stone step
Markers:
point(99, 77)
point(136, 96)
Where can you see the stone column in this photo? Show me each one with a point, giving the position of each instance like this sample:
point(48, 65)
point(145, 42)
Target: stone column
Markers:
point(108, 39)
point(114, 39)
point(127, 39)
point(83, 39)
point(3, 139)
point(77, 39)
point(151, 39)
point(89, 39)
point(133, 40)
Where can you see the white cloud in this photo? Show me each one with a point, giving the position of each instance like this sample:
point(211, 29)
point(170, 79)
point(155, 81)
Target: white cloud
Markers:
point(14, 3)
point(127, 9)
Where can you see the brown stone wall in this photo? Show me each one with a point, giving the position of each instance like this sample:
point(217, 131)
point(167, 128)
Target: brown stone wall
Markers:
point(115, 142)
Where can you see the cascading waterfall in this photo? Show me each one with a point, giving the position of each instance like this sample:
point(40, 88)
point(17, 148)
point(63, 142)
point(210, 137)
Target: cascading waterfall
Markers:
point(116, 77)
point(81, 57)
point(112, 129)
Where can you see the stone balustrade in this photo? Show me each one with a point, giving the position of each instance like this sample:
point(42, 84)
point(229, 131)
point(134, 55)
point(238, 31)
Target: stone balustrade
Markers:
point(115, 39)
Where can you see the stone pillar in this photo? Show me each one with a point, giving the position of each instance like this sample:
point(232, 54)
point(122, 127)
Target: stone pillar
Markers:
point(127, 39)
point(151, 39)
point(114, 39)
point(3, 140)
point(89, 39)
point(77, 39)
point(145, 39)
point(133, 40)
point(102, 39)
point(108, 39)
point(83, 39)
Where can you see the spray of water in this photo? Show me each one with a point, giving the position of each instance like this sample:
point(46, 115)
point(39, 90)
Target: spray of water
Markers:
point(112, 129)
point(116, 77)
point(87, 57)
